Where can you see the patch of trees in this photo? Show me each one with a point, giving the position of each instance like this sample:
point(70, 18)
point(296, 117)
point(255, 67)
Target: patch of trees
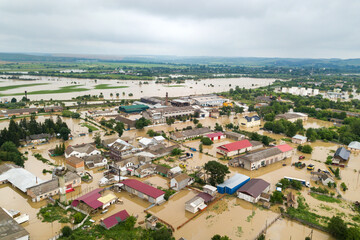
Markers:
point(206, 141)
point(59, 149)
point(305, 149)
point(339, 229)
point(9, 152)
point(283, 126)
point(322, 114)
point(67, 113)
point(20, 130)
point(142, 122)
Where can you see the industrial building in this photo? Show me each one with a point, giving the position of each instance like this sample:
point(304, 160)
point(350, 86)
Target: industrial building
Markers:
point(231, 185)
point(254, 190)
point(236, 148)
point(144, 191)
point(133, 108)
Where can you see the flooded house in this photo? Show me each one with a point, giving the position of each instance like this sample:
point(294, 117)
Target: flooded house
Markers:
point(231, 185)
point(292, 116)
point(323, 177)
point(75, 164)
point(52, 187)
point(159, 115)
point(181, 181)
point(95, 161)
point(341, 156)
point(151, 222)
point(10, 229)
point(261, 158)
point(216, 136)
point(254, 190)
point(97, 199)
point(146, 142)
point(354, 146)
point(249, 122)
point(38, 138)
point(209, 100)
point(195, 204)
point(18, 112)
point(129, 123)
point(137, 108)
point(160, 150)
point(298, 139)
point(190, 133)
point(53, 109)
point(81, 150)
point(114, 219)
point(120, 149)
point(236, 148)
point(291, 200)
point(234, 136)
point(161, 170)
point(18, 177)
point(144, 170)
point(144, 191)
point(174, 171)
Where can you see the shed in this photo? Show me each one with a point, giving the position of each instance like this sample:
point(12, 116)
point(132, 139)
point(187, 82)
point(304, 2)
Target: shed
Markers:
point(298, 139)
point(341, 155)
point(231, 185)
point(114, 219)
point(252, 190)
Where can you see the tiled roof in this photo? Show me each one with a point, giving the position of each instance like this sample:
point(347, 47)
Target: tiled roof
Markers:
point(234, 146)
point(217, 134)
point(91, 199)
point(143, 188)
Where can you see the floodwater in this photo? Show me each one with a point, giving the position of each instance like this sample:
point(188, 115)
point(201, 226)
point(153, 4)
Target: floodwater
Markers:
point(229, 216)
point(284, 229)
point(138, 90)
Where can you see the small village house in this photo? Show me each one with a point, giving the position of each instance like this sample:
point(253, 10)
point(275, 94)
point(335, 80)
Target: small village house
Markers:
point(75, 164)
point(95, 161)
point(216, 136)
point(80, 151)
point(236, 148)
point(180, 181)
point(231, 185)
point(144, 191)
point(298, 139)
point(252, 190)
point(354, 146)
point(249, 122)
point(234, 136)
point(341, 155)
point(195, 204)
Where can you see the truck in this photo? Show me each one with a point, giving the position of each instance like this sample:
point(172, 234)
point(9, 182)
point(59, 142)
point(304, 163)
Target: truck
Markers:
point(302, 181)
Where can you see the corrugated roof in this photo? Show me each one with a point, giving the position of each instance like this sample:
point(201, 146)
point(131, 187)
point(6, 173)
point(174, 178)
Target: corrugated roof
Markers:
point(107, 198)
point(91, 199)
point(234, 146)
point(115, 219)
point(234, 181)
point(259, 155)
point(342, 153)
point(144, 188)
point(355, 145)
point(303, 138)
point(254, 187)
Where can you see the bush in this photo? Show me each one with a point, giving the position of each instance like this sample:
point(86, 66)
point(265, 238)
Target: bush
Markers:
point(306, 149)
point(206, 141)
point(343, 186)
point(277, 197)
point(66, 231)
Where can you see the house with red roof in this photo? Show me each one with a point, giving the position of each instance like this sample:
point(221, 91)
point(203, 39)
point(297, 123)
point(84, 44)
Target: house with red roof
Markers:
point(286, 149)
point(144, 191)
point(114, 219)
point(95, 200)
point(216, 136)
point(238, 147)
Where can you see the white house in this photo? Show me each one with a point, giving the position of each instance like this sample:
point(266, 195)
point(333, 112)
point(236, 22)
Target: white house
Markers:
point(174, 171)
point(195, 204)
point(298, 139)
point(252, 190)
point(81, 151)
point(180, 181)
point(95, 161)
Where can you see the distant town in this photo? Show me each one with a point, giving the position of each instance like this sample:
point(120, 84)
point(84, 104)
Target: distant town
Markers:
point(241, 159)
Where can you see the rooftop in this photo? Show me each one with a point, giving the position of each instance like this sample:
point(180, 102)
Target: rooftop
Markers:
point(303, 138)
point(217, 134)
point(82, 148)
point(144, 188)
point(355, 145)
point(254, 187)
point(114, 219)
point(259, 155)
point(342, 153)
point(284, 147)
point(234, 146)
point(9, 228)
point(91, 199)
point(234, 180)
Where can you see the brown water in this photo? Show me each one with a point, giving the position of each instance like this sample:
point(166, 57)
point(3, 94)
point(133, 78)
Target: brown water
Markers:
point(151, 89)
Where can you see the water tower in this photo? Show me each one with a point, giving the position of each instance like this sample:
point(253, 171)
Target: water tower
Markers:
point(59, 173)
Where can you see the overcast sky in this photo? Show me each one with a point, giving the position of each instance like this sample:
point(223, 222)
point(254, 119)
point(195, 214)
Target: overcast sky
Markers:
point(244, 28)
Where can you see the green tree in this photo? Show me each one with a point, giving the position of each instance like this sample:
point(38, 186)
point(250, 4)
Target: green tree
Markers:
point(337, 228)
point(277, 197)
point(307, 149)
point(170, 121)
point(201, 147)
point(64, 133)
point(176, 151)
point(119, 128)
point(142, 122)
point(66, 231)
point(206, 141)
point(265, 140)
point(97, 139)
point(217, 172)
point(218, 127)
point(199, 125)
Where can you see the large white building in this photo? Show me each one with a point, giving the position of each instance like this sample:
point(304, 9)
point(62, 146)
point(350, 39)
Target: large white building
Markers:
point(300, 91)
point(209, 100)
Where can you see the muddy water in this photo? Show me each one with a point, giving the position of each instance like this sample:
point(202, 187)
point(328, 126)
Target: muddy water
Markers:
point(151, 89)
point(177, 215)
point(284, 229)
point(230, 216)
point(316, 123)
point(157, 181)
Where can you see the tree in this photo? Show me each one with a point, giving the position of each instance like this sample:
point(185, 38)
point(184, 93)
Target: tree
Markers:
point(277, 197)
point(206, 141)
point(162, 234)
point(176, 151)
point(292, 130)
point(265, 140)
point(201, 147)
point(119, 128)
point(195, 121)
point(199, 125)
point(170, 121)
point(337, 228)
point(306, 149)
point(218, 127)
point(9, 152)
point(142, 122)
point(64, 133)
point(217, 172)
point(13, 100)
point(218, 237)
point(97, 139)
point(66, 231)
point(130, 223)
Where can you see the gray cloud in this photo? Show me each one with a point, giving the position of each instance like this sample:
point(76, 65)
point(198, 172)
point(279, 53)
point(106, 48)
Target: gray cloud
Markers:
point(262, 28)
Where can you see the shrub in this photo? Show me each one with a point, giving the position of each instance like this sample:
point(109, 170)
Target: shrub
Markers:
point(66, 231)
point(206, 141)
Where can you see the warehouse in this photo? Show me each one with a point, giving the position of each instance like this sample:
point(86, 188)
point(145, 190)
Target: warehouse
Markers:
point(236, 148)
point(144, 191)
point(133, 108)
point(231, 185)
point(254, 190)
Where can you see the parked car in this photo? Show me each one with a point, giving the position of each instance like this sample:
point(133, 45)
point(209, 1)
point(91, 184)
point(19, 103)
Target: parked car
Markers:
point(301, 157)
point(310, 167)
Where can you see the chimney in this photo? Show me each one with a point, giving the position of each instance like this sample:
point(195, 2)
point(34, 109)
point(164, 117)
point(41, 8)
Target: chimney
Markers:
point(166, 99)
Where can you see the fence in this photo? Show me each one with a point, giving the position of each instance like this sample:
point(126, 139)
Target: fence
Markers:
point(267, 226)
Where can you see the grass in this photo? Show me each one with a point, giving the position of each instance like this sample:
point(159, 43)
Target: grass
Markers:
point(5, 88)
point(52, 213)
point(248, 219)
point(66, 89)
point(89, 126)
point(325, 198)
point(107, 86)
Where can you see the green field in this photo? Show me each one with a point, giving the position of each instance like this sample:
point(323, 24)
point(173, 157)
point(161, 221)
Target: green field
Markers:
point(5, 88)
point(325, 198)
point(89, 126)
point(107, 86)
point(66, 89)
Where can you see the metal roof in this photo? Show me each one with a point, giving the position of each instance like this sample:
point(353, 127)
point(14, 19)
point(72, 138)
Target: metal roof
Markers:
point(300, 137)
point(234, 181)
point(143, 188)
point(234, 146)
point(115, 219)
point(254, 187)
point(355, 145)
point(342, 153)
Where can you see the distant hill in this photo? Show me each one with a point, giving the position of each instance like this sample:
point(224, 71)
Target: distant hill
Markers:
point(240, 61)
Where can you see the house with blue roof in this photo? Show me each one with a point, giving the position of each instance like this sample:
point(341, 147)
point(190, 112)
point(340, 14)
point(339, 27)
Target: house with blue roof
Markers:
point(253, 121)
point(231, 185)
